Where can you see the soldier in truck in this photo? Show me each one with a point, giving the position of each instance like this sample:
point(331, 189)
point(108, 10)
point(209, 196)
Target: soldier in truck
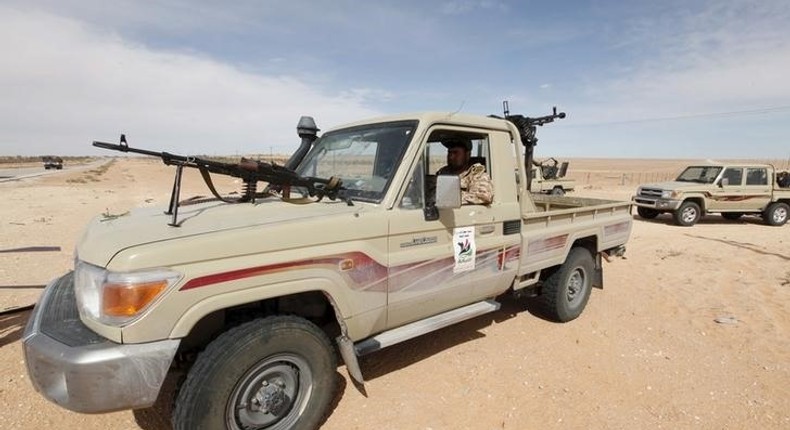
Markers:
point(783, 179)
point(476, 186)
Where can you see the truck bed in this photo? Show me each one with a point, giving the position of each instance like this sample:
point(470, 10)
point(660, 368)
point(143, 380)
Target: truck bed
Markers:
point(561, 222)
point(548, 203)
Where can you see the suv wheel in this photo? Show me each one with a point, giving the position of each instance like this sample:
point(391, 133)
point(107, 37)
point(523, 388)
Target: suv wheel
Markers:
point(687, 214)
point(776, 214)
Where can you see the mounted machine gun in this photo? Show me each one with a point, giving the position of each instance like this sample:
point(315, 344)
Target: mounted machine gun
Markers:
point(527, 128)
point(281, 178)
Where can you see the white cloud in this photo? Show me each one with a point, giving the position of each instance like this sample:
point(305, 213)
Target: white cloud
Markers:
point(728, 56)
point(66, 83)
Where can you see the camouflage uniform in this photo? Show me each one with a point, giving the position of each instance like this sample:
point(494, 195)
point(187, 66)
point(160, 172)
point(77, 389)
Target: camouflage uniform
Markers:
point(476, 186)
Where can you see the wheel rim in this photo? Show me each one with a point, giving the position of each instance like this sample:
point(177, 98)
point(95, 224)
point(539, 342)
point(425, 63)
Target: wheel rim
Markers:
point(576, 285)
point(271, 395)
point(780, 214)
point(689, 215)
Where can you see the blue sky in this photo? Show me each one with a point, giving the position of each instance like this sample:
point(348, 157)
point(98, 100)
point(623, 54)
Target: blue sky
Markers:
point(664, 79)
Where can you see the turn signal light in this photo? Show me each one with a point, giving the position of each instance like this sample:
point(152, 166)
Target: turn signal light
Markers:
point(126, 300)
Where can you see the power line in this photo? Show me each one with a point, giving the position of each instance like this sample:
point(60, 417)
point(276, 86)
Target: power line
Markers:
point(695, 116)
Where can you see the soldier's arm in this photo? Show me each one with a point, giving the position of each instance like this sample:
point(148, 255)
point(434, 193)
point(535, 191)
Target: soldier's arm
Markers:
point(480, 190)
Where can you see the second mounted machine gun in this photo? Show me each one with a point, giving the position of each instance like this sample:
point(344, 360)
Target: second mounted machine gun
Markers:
point(527, 127)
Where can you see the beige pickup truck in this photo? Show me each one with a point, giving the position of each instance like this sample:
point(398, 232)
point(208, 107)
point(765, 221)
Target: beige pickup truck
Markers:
point(732, 190)
point(548, 177)
point(243, 299)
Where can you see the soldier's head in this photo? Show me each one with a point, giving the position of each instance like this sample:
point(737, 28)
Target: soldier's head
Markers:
point(458, 153)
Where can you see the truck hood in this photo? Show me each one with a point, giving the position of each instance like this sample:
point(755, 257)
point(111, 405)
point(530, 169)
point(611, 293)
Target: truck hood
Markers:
point(673, 185)
point(107, 236)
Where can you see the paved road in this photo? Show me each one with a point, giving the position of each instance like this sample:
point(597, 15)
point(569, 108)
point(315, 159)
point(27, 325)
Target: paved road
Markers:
point(14, 174)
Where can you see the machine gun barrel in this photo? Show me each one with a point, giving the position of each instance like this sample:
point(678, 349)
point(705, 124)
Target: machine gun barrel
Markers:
point(548, 118)
point(239, 171)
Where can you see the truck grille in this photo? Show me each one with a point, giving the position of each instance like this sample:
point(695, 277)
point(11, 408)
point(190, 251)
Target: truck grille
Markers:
point(60, 318)
point(650, 192)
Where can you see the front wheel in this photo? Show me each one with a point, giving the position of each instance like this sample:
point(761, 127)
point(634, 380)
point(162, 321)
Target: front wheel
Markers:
point(687, 214)
point(776, 214)
point(274, 373)
point(565, 292)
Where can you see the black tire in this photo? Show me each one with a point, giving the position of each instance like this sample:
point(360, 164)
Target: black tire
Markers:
point(274, 373)
point(732, 216)
point(776, 214)
point(687, 214)
point(565, 292)
point(557, 191)
point(647, 213)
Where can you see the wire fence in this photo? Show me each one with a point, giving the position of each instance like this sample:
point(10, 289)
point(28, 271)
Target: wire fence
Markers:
point(623, 172)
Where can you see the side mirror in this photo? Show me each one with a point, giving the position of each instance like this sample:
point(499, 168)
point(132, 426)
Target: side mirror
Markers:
point(448, 192)
point(724, 182)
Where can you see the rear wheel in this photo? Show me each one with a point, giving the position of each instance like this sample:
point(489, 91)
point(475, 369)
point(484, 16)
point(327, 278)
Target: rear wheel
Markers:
point(687, 214)
point(647, 213)
point(565, 292)
point(273, 373)
point(776, 214)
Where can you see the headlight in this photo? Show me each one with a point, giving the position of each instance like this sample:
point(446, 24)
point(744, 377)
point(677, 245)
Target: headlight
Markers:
point(117, 298)
point(667, 194)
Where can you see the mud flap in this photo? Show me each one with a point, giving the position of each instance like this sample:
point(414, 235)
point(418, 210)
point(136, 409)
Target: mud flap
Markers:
point(597, 280)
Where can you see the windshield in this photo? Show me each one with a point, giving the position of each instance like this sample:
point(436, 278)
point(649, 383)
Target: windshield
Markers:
point(700, 174)
point(364, 158)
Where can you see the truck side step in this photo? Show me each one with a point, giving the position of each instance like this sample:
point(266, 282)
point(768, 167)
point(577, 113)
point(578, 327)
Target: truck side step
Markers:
point(417, 328)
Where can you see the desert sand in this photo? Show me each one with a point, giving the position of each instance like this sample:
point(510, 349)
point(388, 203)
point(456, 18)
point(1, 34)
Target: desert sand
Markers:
point(647, 352)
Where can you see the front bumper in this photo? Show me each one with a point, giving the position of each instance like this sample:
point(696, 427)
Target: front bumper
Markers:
point(79, 370)
point(656, 203)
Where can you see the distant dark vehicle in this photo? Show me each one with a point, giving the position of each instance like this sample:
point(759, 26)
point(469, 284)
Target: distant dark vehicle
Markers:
point(51, 162)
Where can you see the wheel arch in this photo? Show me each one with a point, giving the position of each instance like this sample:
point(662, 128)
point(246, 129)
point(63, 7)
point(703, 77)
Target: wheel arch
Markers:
point(699, 200)
point(312, 298)
point(590, 243)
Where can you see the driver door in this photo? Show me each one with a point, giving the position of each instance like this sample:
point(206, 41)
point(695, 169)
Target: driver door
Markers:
point(729, 196)
point(425, 278)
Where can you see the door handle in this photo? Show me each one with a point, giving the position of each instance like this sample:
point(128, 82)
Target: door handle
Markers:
point(487, 229)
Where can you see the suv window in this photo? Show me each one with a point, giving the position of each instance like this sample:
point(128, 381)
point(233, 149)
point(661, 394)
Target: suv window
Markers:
point(734, 175)
point(699, 174)
point(756, 176)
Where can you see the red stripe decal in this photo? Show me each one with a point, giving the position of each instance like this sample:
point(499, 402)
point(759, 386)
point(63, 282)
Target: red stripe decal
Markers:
point(363, 269)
